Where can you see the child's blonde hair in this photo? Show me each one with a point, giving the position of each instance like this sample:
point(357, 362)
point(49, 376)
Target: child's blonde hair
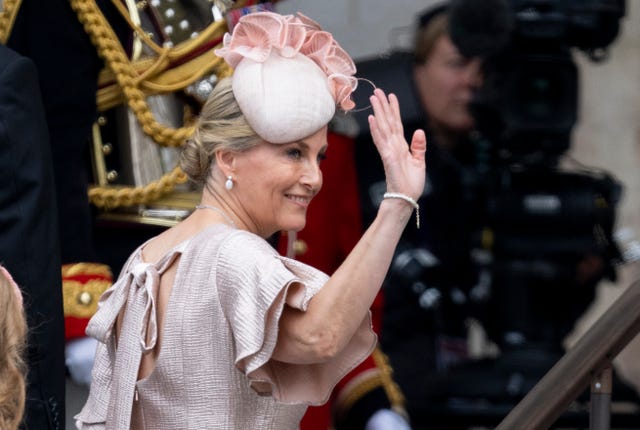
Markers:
point(13, 331)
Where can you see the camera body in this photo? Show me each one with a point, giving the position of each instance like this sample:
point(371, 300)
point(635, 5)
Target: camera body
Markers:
point(538, 223)
point(529, 101)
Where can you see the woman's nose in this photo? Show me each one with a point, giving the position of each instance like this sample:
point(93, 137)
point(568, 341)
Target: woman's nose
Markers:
point(473, 73)
point(312, 176)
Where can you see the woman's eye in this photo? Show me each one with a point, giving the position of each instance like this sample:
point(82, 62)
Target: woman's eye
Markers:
point(457, 62)
point(294, 153)
point(321, 157)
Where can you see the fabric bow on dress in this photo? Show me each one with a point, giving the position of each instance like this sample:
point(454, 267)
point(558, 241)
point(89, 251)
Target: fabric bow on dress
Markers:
point(134, 296)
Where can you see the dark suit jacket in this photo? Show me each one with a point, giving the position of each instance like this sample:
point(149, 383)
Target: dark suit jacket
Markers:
point(49, 33)
point(29, 246)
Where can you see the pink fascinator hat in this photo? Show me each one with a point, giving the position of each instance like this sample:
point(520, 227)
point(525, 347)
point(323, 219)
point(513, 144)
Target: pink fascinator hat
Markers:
point(289, 75)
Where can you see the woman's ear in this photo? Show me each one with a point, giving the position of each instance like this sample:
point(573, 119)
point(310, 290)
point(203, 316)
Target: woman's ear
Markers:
point(226, 161)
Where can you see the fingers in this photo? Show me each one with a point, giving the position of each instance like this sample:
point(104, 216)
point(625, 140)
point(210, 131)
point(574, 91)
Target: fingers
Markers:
point(395, 111)
point(380, 102)
point(385, 122)
point(373, 126)
point(419, 144)
point(381, 111)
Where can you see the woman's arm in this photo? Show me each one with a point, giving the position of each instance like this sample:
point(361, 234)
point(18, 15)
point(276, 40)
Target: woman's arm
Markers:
point(337, 310)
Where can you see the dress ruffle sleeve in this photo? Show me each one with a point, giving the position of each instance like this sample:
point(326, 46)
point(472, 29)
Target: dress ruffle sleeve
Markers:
point(254, 284)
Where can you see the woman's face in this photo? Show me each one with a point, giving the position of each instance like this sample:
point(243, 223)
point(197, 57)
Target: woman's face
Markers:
point(446, 82)
point(276, 182)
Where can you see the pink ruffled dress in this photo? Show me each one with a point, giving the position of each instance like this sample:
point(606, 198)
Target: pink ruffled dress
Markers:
point(214, 370)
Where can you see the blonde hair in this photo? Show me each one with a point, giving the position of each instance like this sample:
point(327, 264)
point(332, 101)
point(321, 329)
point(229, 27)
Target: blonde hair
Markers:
point(13, 332)
point(427, 35)
point(221, 125)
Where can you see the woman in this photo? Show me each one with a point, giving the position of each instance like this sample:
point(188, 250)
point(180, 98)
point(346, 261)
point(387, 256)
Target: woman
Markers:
point(445, 80)
point(424, 321)
point(208, 327)
point(13, 332)
point(425, 330)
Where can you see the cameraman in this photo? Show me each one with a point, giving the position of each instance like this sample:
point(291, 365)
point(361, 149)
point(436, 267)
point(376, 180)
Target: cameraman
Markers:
point(425, 293)
point(444, 81)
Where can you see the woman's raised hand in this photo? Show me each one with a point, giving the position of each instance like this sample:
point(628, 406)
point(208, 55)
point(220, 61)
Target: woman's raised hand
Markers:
point(404, 165)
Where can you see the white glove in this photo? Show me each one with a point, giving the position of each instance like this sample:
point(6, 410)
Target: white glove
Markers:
point(386, 419)
point(79, 355)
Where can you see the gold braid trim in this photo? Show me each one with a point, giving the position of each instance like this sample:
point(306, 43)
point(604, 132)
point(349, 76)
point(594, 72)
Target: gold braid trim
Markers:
point(137, 80)
point(176, 78)
point(173, 69)
point(113, 197)
point(214, 30)
point(390, 386)
point(367, 381)
point(8, 15)
point(112, 52)
point(356, 389)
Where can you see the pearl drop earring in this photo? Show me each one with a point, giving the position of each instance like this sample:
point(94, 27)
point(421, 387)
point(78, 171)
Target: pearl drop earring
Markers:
point(229, 183)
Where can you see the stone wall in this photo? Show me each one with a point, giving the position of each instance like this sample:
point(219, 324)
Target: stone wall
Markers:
point(608, 136)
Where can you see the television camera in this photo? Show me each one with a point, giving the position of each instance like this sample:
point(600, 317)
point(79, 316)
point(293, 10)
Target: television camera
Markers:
point(546, 228)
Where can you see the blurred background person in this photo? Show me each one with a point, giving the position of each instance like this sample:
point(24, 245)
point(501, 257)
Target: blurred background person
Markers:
point(429, 293)
point(424, 318)
point(445, 81)
point(423, 323)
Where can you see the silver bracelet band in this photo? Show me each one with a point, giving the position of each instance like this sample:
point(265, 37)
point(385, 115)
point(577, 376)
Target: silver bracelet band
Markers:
point(407, 199)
